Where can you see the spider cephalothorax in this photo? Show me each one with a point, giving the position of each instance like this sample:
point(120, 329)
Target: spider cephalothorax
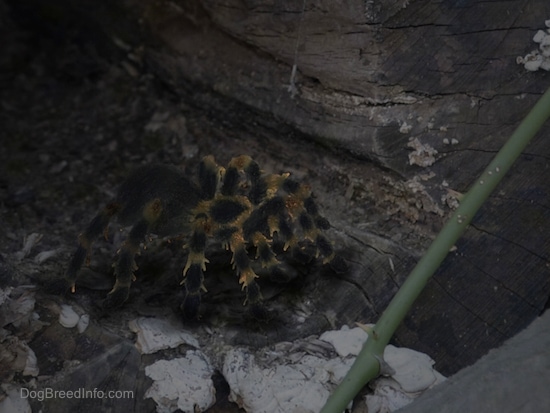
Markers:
point(240, 206)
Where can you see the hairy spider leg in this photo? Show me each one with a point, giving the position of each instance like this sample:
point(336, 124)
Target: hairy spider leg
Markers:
point(262, 187)
point(193, 273)
point(264, 253)
point(324, 246)
point(302, 208)
point(259, 227)
point(221, 212)
point(241, 264)
point(97, 226)
point(258, 190)
point(230, 183)
point(210, 174)
point(237, 242)
point(126, 264)
point(297, 205)
point(270, 218)
point(258, 184)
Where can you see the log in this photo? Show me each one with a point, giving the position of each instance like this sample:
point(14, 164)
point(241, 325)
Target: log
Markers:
point(394, 110)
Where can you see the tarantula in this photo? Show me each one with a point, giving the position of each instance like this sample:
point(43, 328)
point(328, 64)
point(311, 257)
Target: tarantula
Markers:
point(240, 206)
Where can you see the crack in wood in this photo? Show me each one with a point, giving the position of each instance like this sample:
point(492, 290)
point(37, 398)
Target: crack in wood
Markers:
point(481, 230)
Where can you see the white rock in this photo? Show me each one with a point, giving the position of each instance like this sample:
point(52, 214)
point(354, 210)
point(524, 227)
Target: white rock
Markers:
point(538, 59)
point(182, 383)
point(281, 388)
point(5, 294)
point(413, 374)
point(83, 323)
point(387, 397)
point(337, 368)
point(422, 155)
point(13, 402)
point(346, 341)
point(405, 128)
point(413, 370)
point(31, 364)
point(261, 384)
point(533, 61)
point(28, 243)
point(539, 36)
point(19, 307)
point(545, 46)
point(154, 334)
point(545, 65)
point(68, 317)
point(157, 121)
point(45, 255)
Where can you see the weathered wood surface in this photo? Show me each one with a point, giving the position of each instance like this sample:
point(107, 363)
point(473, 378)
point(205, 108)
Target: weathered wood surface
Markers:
point(371, 76)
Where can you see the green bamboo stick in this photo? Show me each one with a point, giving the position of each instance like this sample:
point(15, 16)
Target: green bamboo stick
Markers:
point(367, 365)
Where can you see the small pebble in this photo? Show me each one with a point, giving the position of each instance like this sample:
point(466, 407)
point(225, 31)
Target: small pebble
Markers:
point(68, 318)
point(83, 323)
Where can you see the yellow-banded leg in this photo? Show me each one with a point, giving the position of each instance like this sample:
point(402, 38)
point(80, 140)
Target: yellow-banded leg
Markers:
point(126, 264)
point(268, 259)
point(302, 208)
point(263, 251)
point(193, 273)
point(247, 276)
point(210, 175)
point(97, 226)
